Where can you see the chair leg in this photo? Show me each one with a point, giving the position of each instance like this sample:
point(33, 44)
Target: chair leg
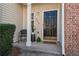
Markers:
point(18, 39)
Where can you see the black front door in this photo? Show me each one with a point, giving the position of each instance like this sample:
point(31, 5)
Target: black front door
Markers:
point(50, 23)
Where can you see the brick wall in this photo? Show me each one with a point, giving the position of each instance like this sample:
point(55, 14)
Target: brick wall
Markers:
point(71, 29)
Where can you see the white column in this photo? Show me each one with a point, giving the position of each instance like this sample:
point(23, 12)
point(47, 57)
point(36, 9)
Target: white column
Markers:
point(28, 43)
point(63, 48)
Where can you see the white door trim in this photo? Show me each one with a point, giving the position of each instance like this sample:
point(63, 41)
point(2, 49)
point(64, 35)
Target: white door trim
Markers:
point(57, 22)
point(63, 48)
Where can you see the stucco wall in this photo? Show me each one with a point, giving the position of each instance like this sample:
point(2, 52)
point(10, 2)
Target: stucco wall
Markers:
point(38, 10)
point(71, 29)
point(12, 13)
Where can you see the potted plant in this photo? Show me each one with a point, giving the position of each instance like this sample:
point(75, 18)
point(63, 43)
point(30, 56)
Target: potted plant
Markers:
point(33, 31)
point(38, 39)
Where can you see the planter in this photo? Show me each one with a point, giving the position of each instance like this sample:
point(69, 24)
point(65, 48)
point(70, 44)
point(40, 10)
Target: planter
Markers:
point(33, 37)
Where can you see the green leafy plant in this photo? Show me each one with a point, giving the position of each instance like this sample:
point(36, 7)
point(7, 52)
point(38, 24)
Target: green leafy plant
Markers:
point(33, 29)
point(6, 38)
point(38, 39)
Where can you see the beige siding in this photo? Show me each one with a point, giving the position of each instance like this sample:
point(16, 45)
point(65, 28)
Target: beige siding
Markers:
point(0, 13)
point(12, 13)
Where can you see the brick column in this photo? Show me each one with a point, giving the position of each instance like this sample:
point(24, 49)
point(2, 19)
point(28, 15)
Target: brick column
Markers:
point(71, 28)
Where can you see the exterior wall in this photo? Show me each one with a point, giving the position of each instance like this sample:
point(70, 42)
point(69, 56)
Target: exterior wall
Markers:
point(17, 14)
point(12, 13)
point(71, 29)
point(38, 10)
point(24, 17)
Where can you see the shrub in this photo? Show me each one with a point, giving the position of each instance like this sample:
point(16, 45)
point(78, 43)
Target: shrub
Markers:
point(6, 38)
point(38, 39)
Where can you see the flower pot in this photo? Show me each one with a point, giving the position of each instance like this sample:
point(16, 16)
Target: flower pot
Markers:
point(33, 37)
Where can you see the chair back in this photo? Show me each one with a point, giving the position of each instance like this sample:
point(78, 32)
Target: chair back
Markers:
point(24, 31)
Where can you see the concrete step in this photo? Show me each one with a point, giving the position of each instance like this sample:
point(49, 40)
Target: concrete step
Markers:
point(36, 48)
point(36, 53)
point(50, 41)
point(50, 38)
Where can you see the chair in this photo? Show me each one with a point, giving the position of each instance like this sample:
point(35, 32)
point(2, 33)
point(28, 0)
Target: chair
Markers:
point(22, 35)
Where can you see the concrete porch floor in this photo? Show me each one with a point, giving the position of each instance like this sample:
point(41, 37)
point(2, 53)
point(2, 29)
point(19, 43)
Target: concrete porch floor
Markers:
point(38, 49)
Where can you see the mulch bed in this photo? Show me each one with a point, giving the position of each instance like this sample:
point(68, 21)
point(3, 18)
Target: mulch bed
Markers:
point(15, 51)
